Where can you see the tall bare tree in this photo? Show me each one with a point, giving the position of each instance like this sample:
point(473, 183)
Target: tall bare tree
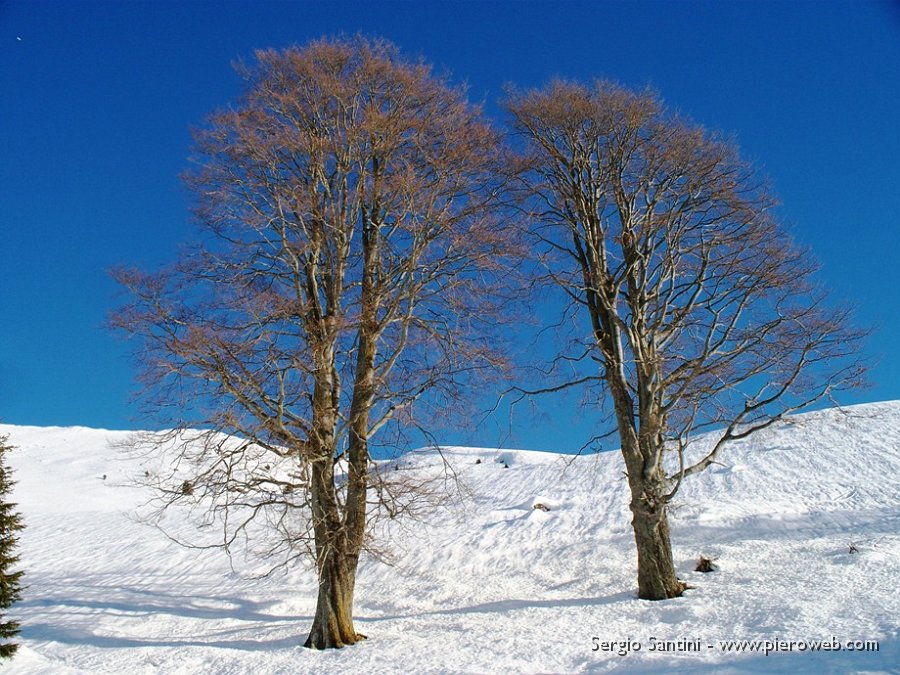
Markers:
point(696, 310)
point(341, 288)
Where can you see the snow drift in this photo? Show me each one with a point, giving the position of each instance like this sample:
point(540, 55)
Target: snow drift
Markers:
point(802, 521)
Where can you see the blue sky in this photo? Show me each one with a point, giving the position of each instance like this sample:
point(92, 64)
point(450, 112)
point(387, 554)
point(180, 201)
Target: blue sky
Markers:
point(96, 102)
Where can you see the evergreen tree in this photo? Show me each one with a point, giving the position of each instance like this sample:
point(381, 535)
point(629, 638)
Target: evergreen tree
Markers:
point(10, 524)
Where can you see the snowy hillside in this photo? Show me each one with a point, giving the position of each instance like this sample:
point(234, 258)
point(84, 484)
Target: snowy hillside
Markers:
point(491, 584)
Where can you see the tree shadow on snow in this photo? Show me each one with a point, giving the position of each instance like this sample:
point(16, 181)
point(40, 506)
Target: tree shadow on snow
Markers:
point(75, 636)
point(128, 610)
point(511, 605)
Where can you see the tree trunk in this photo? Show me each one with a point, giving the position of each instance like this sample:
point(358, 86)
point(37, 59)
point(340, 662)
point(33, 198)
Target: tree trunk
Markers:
point(332, 626)
point(656, 569)
point(642, 446)
point(336, 563)
point(641, 451)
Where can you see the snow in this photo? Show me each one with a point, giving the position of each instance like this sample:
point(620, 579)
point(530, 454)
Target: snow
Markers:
point(490, 584)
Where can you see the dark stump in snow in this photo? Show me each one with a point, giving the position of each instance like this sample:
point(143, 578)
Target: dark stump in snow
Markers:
point(705, 565)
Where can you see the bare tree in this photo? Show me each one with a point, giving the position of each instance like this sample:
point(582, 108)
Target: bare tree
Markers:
point(340, 291)
point(696, 311)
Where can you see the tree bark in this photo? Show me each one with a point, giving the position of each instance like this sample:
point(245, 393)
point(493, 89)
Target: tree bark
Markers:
point(641, 451)
point(338, 547)
point(336, 566)
point(332, 626)
point(657, 579)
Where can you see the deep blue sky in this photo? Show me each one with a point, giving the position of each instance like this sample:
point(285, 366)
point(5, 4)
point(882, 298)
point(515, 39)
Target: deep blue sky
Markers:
point(96, 101)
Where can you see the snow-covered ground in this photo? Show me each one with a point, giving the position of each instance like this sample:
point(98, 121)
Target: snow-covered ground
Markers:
point(490, 584)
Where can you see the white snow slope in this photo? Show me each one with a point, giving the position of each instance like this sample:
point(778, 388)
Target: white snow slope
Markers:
point(490, 584)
